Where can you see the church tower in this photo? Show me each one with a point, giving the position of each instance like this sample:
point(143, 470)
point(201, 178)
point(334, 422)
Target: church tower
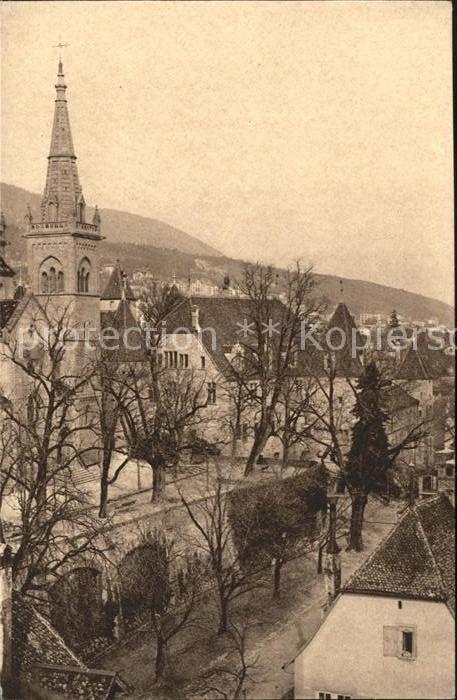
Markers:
point(62, 248)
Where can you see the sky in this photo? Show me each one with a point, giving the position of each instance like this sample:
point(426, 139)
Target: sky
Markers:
point(271, 130)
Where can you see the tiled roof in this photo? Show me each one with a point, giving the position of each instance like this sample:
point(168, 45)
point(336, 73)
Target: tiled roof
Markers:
point(131, 345)
point(19, 308)
point(40, 655)
point(347, 359)
point(5, 269)
point(7, 307)
point(341, 338)
point(395, 398)
point(424, 359)
point(416, 559)
point(225, 316)
point(114, 288)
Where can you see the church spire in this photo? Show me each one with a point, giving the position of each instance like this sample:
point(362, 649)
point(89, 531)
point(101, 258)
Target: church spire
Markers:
point(62, 199)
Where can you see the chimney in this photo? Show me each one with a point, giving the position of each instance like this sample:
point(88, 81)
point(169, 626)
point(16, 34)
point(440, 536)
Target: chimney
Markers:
point(6, 614)
point(195, 318)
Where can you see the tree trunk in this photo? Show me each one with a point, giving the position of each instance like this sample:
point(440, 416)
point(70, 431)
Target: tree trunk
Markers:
point(158, 481)
point(223, 615)
point(161, 657)
point(277, 566)
point(285, 454)
point(234, 448)
point(359, 501)
point(260, 440)
point(102, 511)
point(320, 553)
point(238, 693)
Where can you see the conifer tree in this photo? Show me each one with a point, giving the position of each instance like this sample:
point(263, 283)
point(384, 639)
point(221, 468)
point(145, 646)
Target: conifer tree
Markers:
point(369, 457)
point(393, 321)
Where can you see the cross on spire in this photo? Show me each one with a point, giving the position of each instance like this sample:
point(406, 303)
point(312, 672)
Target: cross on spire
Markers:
point(60, 46)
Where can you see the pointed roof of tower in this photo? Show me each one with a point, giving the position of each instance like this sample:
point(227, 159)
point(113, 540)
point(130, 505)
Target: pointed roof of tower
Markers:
point(62, 189)
point(424, 359)
point(347, 340)
point(118, 286)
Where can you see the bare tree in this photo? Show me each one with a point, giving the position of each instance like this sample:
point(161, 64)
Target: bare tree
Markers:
point(160, 416)
point(269, 351)
point(228, 681)
point(214, 537)
point(294, 424)
point(50, 420)
point(9, 459)
point(156, 301)
point(110, 392)
point(337, 397)
point(164, 583)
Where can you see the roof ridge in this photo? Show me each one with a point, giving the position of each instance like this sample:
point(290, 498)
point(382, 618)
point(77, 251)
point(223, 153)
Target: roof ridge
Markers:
point(178, 306)
point(377, 548)
point(417, 524)
point(430, 551)
point(20, 308)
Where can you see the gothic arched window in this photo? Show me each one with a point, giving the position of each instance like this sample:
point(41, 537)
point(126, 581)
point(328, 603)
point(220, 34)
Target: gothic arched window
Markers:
point(84, 275)
point(51, 276)
point(52, 280)
point(44, 283)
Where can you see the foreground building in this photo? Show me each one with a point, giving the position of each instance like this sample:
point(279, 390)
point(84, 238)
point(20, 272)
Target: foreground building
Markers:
point(390, 631)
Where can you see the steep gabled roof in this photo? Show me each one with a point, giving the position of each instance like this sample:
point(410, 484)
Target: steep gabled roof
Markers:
point(339, 337)
point(5, 269)
point(7, 307)
point(347, 357)
point(20, 306)
point(117, 285)
point(395, 398)
point(416, 559)
point(130, 343)
point(222, 320)
point(424, 359)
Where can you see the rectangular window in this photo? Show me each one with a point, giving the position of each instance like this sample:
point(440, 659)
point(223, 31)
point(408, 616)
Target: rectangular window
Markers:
point(171, 359)
point(407, 642)
point(399, 642)
point(202, 362)
point(184, 361)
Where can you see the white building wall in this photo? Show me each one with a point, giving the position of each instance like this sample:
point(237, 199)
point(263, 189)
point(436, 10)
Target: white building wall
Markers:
point(346, 655)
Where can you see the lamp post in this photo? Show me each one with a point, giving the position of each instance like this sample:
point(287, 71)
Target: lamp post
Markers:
point(332, 560)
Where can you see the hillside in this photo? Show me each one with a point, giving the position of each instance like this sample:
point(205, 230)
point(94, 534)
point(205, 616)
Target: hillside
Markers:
point(116, 224)
point(148, 244)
